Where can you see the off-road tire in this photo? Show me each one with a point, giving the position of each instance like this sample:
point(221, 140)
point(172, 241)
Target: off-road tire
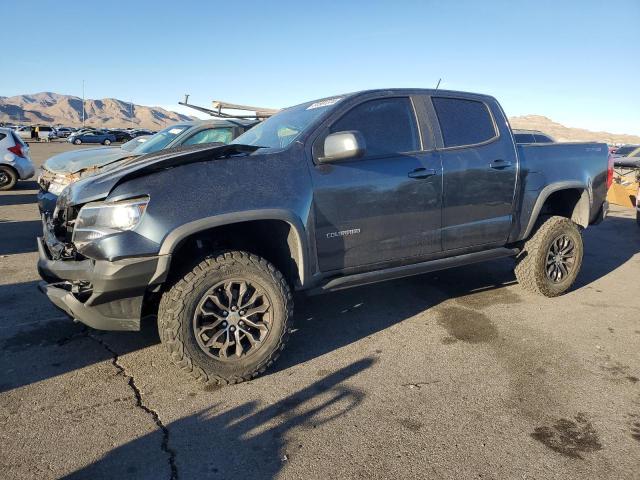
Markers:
point(531, 262)
point(178, 304)
point(11, 175)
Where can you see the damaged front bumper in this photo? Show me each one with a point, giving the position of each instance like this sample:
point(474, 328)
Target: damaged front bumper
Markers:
point(101, 294)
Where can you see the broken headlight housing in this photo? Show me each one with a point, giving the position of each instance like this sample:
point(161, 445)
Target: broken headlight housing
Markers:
point(100, 219)
point(57, 186)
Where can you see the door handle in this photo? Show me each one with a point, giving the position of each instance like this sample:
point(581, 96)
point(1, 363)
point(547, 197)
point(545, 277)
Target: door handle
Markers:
point(499, 164)
point(420, 173)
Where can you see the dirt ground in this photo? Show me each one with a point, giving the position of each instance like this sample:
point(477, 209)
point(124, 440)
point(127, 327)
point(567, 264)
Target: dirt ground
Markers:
point(456, 374)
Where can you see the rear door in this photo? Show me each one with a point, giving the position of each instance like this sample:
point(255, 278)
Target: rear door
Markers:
point(386, 205)
point(479, 172)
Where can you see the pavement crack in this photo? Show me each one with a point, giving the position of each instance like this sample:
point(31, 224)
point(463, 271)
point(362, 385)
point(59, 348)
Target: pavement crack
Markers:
point(141, 405)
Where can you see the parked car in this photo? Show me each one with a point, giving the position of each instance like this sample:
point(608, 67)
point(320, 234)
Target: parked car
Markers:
point(121, 135)
point(531, 136)
point(330, 194)
point(627, 157)
point(141, 131)
point(62, 169)
point(64, 132)
point(24, 132)
point(45, 132)
point(15, 162)
point(96, 136)
point(625, 150)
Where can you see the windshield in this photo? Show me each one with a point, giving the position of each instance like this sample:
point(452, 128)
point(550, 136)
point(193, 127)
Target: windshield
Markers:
point(136, 142)
point(284, 127)
point(626, 150)
point(160, 140)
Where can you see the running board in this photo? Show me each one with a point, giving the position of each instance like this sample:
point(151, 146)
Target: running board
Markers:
point(358, 279)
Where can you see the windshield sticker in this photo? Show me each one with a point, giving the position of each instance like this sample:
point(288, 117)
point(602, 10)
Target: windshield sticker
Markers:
point(324, 103)
point(175, 131)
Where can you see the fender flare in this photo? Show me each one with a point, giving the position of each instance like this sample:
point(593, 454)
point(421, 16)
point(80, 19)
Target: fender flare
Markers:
point(582, 211)
point(176, 236)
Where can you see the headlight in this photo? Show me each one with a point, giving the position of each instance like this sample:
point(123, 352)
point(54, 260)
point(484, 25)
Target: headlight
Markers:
point(56, 187)
point(99, 219)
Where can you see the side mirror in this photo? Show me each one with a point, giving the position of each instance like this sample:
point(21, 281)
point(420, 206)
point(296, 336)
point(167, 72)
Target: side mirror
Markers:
point(343, 146)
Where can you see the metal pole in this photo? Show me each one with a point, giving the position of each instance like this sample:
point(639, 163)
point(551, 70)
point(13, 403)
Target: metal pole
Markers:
point(131, 113)
point(83, 103)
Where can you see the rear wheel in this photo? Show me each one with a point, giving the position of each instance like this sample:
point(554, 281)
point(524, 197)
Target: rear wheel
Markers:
point(226, 320)
point(551, 258)
point(8, 177)
point(106, 142)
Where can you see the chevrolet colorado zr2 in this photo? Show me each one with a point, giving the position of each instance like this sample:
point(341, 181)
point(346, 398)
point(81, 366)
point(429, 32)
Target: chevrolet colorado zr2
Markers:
point(326, 195)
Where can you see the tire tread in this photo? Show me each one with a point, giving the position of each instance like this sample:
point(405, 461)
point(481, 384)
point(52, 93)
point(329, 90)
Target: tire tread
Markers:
point(172, 306)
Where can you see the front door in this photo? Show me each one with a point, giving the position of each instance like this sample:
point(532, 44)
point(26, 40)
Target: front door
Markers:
point(385, 206)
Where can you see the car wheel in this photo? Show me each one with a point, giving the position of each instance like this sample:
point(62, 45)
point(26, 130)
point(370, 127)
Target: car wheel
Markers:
point(77, 141)
point(8, 177)
point(106, 142)
point(227, 319)
point(551, 258)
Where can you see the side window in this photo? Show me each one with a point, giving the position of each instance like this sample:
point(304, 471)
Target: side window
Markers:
point(223, 135)
point(2, 136)
point(388, 125)
point(543, 139)
point(524, 138)
point(463, 122)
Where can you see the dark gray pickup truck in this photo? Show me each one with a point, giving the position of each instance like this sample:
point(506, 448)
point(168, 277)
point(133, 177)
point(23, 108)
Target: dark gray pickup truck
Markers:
point(326, 195)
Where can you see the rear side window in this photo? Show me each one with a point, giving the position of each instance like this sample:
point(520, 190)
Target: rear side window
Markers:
point(524, 138)
point(463, 122)
point(542, 139)
point(18, 139)
point(211, 135)
point(388, 125)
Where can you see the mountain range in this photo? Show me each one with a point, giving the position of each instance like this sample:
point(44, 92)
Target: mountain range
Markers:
point(56, 109)
point(566, 134)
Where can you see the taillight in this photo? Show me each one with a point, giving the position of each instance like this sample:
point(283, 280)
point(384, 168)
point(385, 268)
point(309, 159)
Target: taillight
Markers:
point(17, 150)
point(610, 172)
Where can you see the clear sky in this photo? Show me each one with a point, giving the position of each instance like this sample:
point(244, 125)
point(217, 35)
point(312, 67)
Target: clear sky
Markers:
point(577, 62)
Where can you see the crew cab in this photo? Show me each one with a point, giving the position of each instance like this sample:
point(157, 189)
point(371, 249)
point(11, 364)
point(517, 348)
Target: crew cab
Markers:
point(330, 194)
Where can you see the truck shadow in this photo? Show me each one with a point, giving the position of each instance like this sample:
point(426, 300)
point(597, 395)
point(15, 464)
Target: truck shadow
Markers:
point(245, 441)
point(19, 237)
point(608, 246)
point(8, 199)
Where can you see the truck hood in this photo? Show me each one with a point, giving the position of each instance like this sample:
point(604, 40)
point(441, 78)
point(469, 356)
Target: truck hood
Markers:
point(75, 161)
point(98, 186)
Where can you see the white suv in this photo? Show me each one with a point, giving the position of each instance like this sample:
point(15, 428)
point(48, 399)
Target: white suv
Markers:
point(15, 163)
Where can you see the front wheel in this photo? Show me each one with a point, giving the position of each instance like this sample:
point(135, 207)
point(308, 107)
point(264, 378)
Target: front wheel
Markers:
point(226, 320)
point(77, 141)
point(551, 258)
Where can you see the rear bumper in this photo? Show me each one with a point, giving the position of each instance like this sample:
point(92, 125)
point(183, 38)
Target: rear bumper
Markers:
point(24, 166)
point(101, 294)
